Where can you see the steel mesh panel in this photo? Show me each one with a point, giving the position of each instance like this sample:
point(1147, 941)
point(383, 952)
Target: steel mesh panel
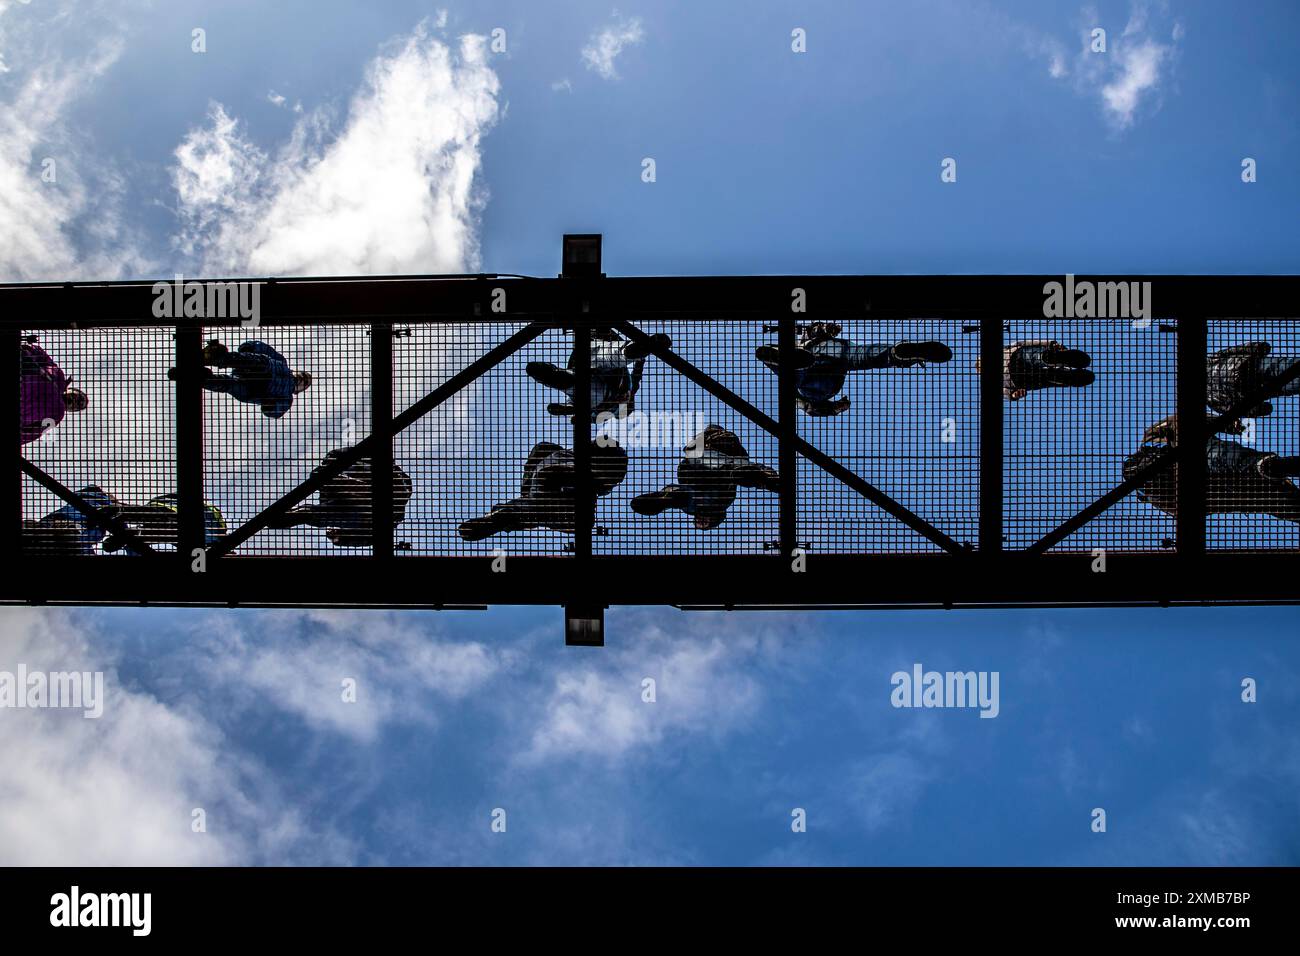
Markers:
point(124, 441)
point(912, 432)
point(1065, 446)
point(1252, 495)
point(468, 454)
point(251, 459)
point(670, 410)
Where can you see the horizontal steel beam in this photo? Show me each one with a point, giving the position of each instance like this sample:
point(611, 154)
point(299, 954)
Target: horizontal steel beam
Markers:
point(970, 579)
point(471, 299)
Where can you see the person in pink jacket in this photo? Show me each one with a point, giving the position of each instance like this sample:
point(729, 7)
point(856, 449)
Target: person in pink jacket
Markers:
point(47, 393)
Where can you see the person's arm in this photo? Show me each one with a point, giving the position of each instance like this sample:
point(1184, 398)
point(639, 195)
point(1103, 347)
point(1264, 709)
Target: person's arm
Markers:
point(1250, 349)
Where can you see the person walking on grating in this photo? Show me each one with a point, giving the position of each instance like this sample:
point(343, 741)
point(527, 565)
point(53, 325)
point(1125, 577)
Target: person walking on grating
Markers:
point(713, 465)
point(548, 490)
point(1238, 480)
point(45, 392)
point(823, 359)
point(259, 376)
point(343, 507)
point(613, 383)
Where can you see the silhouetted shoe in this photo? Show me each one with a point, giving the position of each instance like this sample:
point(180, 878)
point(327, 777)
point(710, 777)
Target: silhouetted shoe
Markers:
point(171, 374)
point(771, 355)
point(1279, 468)
point(1071, 358)
point(635, 350)
point(653, 503)
point(550, 375)
point(494, 522)
point(922, 352)
point(559, 408)
point(1075, 377)
point(759, 476)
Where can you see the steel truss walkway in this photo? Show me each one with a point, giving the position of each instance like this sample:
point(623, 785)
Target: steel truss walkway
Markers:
point(932, 489)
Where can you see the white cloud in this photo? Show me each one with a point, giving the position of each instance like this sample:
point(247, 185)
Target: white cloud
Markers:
point(1139, 74)
point(1124, 78)
point(606, 44)
point(706, 685)
point(64, 225)
point(296, 662)
point(394, 191)
point(120, 789)
point(565, 84)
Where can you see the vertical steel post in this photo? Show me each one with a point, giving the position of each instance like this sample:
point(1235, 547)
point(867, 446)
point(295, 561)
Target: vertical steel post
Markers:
point(1192, 437)
point(190, 514)
point(584, 493)
point(991, 434)
point(787, 465)
point(381, 430)
point(11, 493)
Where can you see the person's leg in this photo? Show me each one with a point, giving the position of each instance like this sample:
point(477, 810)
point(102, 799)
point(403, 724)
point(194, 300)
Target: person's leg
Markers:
point(1280, 467)
point(1062, 375)
point(865, 357)
point(1057, 354)
point(753, 475)
point(657, 502)
point(770, 356)
point(1275, 367)
point(907, 354)
point(304, 514)
point(151, 524)
point(504, 517)
point(635, 350)
point(217, 383)
point(550, 375)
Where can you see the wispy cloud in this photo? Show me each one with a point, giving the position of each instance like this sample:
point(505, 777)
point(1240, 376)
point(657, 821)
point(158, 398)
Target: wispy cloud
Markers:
point(58, 199)
point(607, 43)
point(121, 790)
point(705, 684)
point(400, 670)
point(1128, 77)
point(394, 191)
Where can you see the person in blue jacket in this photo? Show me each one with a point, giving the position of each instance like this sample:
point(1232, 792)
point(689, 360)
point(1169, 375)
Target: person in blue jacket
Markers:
point(259, 376)
point(69, 531)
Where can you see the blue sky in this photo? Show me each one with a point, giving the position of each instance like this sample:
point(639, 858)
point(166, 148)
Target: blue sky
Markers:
point(318, 137)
